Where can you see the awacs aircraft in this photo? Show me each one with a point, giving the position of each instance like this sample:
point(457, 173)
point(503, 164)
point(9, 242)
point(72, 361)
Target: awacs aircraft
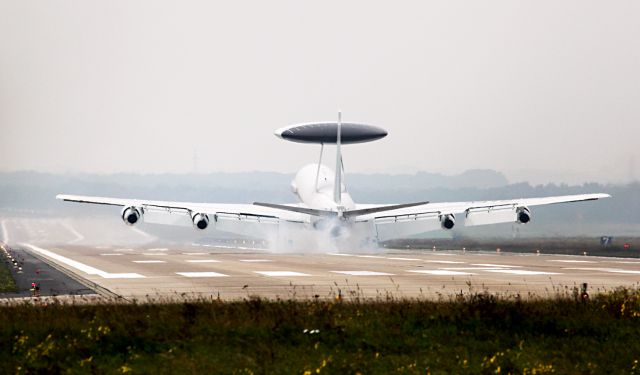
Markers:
point(325, 207)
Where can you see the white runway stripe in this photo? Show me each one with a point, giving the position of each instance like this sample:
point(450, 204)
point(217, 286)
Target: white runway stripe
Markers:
point(148, 261)
point(494, 265)
point(442, 272)
point(340, 254)
point(83, 267)
point(611, 270)
point(111, 255)
point(363, 273)
point(201, 274)
point(413, 259)
point(158, 249)
point(203, 261)
point(522, 272)
point(255, 260)
point(570, 261)
point(282, 273)
point(444, 261)
point(197, 253)
point(155, 254)
point(370, 256)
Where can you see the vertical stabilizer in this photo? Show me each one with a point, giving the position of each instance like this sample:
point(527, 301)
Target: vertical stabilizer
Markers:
point(337, 188)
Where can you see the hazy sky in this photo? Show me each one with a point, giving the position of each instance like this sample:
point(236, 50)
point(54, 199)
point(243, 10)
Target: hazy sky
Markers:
point(542, 90)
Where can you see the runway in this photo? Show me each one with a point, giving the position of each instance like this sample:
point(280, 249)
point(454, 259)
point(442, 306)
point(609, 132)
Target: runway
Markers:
point(170, 271)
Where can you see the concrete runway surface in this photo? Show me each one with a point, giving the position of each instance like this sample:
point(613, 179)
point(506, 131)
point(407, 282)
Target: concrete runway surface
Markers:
point(147, 269)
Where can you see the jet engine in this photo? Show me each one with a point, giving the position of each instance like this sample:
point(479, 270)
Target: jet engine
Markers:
point(200, 221)
point(131, 215)
point(447, 221)
point(523, 215)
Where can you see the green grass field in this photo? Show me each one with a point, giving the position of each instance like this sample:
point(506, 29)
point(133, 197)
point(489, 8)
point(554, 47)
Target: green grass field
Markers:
point(477, 333)
point(7, 284)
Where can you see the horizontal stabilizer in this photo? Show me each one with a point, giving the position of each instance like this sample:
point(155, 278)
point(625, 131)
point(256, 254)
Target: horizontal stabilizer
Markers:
point(352, 213)
point(373, 210)
point(302, 210)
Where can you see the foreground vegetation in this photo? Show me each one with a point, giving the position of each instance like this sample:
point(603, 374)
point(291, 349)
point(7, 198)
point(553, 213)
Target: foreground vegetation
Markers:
point(477, 333)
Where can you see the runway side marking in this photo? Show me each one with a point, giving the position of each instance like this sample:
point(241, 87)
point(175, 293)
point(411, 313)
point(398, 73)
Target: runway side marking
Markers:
point(201, 274)
point(79, 237)
point(256, 260)
point(494, 265)
point(203, 261)
point(111, 254)
point(83, 267)
point(414, 259)
point(626, 262)
point(363, 273)
point(444, 261)
point(282, 273)
point(522, 272)
point(570, 261)
point(148, 261)
point(612, 270)
point(5, 233)
point(442, 272)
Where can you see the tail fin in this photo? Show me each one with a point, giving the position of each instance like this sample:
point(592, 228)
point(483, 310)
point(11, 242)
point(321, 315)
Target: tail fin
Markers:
point(337, 188)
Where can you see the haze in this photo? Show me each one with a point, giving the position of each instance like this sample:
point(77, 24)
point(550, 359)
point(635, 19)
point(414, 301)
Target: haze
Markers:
point(542, 91)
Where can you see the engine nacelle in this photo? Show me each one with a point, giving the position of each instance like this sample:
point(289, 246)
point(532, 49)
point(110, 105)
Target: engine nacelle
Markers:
point(447, 221)
point(200, 221)
point(131, 215)
point(523, 215)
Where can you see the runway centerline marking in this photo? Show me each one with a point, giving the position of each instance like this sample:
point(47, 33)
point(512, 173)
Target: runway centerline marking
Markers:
point(341, 254)
point(203, 261)
point(444, 261)
point(158, 249)
point(282, 273)
point(83, 267)
point(494, 265)
point(198, 253)
point(363, 273)
point(155, 254)
point(442, 272)
point(255, 260)
point(201, 274)
point(110, 254)
point(148, 261)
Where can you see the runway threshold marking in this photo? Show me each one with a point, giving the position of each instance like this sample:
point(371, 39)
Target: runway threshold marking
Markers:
point(83, 267)
point(201, 274)
point(363, 273)
point(282, 273)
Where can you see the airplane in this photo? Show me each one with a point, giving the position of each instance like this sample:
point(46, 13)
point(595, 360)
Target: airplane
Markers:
point(326, 213)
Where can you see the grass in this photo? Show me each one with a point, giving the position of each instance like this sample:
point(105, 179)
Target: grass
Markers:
point(476, 333)
point(7, 283)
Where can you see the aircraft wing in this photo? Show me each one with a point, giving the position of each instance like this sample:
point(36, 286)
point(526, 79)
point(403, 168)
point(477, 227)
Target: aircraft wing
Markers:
point(423, 218)
point(247, 219)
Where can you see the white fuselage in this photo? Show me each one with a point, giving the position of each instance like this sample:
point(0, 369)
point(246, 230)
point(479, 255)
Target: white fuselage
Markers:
point(319, 196)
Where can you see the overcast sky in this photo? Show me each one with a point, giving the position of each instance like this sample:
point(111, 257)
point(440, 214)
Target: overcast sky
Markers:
point(541, 90)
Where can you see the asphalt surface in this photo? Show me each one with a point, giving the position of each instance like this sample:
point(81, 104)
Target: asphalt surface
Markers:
point(140, 270)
